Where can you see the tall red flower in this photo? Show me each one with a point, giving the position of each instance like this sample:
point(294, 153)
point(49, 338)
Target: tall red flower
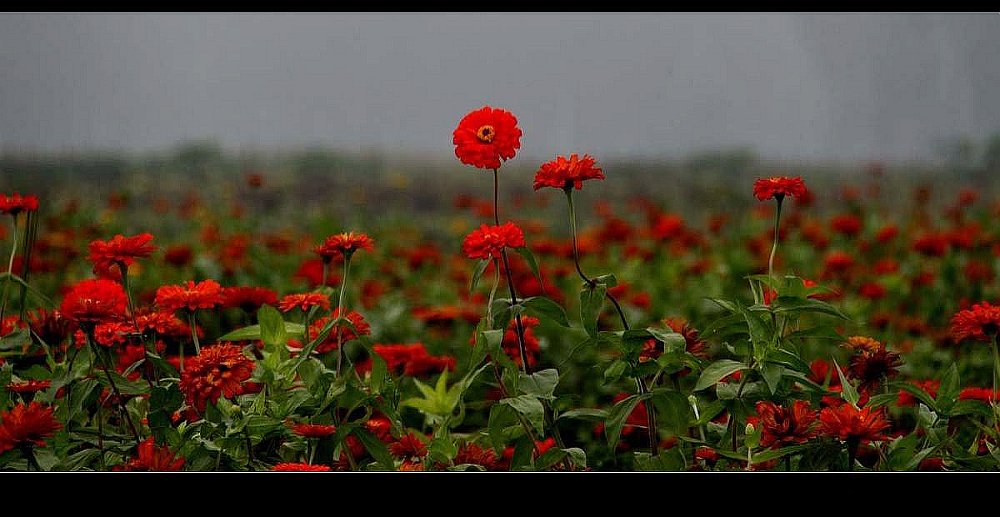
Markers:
point(981, 322)
point(778, 187)
point(15, 204)
point(152, 459)
point(487, 136)
point(781, 425)
point(120, 250)
point(344, 244)
point(218, 371)
point(92, 301)
point(24, 426)
point(847, 422)
point(566, 173)
point(190, 296)
point(487, 242)
point(304, 301)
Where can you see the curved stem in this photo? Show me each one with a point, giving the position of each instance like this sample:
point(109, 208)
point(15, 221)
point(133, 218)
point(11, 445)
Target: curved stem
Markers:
point(493, 292)
point(194, 333)
point(340, 314)
point(518, 324)
point(10, 266)
point(774, 246)
point(114, 387)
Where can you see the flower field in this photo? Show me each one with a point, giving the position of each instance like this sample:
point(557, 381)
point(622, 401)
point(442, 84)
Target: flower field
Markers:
point(807, 327)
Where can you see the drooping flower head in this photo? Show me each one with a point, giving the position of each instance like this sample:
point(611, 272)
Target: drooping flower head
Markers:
point(190, 296)
point(152, 458)
point(15, 204)
point(781, 425)
point(981, 322)
point(120, 250)
point(778, 187)
point(304, 301)
point(563, 173)
point(26, 425)
point(487, 242)
point(344, 244)
point(486, 137)
point(846, 422)
point(218, 371)
point(92, 301)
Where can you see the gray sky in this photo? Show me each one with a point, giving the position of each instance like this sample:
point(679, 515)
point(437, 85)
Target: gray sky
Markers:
point(791, 86)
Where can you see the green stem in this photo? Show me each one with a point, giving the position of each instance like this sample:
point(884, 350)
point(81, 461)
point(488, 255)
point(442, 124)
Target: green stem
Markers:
point(147, 364)
point(493, 292)
point(10, 266)
point(774, 247)
point(114, 387)
point(996, 374)
point(341, 315)
point(194, 333)
point(518, 324)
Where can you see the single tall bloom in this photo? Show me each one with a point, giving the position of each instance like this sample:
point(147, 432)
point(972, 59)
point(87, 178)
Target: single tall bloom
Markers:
point(563, 173)
point(25, 426)
point(120, 250)
point(488, 242)
point(92, 301)
point(848, 423)
point(778, 187)
point(218, 371)
point(203, 295)
point(782, 425)
point(344, 244)
point(487, 136)
point(980, 323)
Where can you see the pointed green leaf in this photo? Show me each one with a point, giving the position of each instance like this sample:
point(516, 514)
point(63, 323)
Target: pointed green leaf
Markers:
point(716, 371)
point(478, 273)
point(591, 301)
point(530, 259)
point(546, 309)
point(848, 391)
point(540, 384)
point(530, 407)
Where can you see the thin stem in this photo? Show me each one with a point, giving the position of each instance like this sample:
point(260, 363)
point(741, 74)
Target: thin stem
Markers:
point(493, 292)
point(30, 456)
point(147, 364)
point(10, 266)
point(518, 324)
point(340, 314)
point(114, 388)
point(774, 246)
point(194, 333)
point(996, 373)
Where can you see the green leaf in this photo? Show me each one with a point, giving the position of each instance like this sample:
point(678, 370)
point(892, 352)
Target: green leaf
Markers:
point(617, 416)
point(541, 384)
point(252, 332)
point(917, 392)
point(546, 309)
point(791, 304)
point(614, 371)
point(530, 259)
point(376, 448)
point(591, 301)
point(478, 273)
point(948, 392)
point(608, 280)
point(673, 342)
point(584, 414)
point(15, 340)
point(547, 460)
point(530, 407)
point(848, 392)
point(272, 327)
point(772, 375)
point(502, 418)
point(727, 325)
point(716, 371)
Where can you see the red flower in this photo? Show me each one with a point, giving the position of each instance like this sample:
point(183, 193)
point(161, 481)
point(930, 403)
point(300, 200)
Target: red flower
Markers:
point(567, 173)
point(24, 426)
point(299, 467)
point(871, 367)
point(250, 299)
point(304, 301)
point(344, 244)
point(203, 295)
point(472, 454)
point(486, 136)
point(314, 430)
point(847, 422)
point(782, 426)
point(120, 250)
point(413, 359)
point(981, 322)
point(973, 393)
point(408, 447)
point(932, 244)
point(488, 241)
point(179, 255)
point(218, 371)
point(29, 386)
point(152, 459)
point(16, 204)
point(778, 187)
point(346, 333)
point(93, 301)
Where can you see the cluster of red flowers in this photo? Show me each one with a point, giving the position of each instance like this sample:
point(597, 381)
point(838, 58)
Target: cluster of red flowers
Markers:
point(15, 204)
point(411, 359)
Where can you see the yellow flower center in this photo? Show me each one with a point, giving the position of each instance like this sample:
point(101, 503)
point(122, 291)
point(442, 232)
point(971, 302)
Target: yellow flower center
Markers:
point(486, 133)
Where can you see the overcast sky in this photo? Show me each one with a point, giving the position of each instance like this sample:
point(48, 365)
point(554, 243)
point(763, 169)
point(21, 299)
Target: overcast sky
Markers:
point(792, 86)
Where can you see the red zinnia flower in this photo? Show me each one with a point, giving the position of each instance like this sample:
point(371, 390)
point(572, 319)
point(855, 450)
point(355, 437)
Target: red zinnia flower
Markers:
point(120, 250)
point(16, 204)
point(847, 422)
point(781, 425)
point(778, 187)
point(29, 386)
point(981, 322)
point(488, 241)
point(93, 301)
point(218, 371)
point(299, 467)
point(28, 425)
point(974, 393)
point(190, 296)
point(846, 224)
point(473, 454)
point(408, 447)
point(153, 459)
point(344, 244)
point(314, 430)
point(304, 301)
point(567, 173)
point(871, 367)
point(486, 136)
point(250, 299)
point(346, 332)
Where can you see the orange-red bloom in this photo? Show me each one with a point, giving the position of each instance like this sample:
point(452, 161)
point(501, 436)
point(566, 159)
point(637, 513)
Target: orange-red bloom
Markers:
point(152, 459)
point(847, 422)
point(488, 241)
point(981, 322)
point(29, 386)
point(248, 298)
point(314, 430)
point(299, 467)
point(566, 173)
point(120, 250)
point(24, 426)
point(218, 371)
point(778, 187)
point(189, 296)
point(93, 301)
point(304, 301)
point(487, 136)
point(780, 425)
point(15, 204)
point(361, 327)
point(409, 447)
point(344, 244)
